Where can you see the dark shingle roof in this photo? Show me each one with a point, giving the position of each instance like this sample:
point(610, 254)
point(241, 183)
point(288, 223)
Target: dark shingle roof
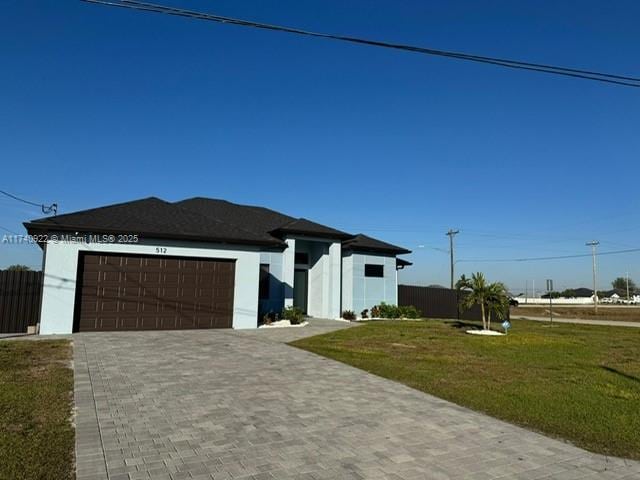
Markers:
point(152, 217)
point(401, 263)
point(363, 243)
point(307, 227)
point(203, 219)
point(258, 219)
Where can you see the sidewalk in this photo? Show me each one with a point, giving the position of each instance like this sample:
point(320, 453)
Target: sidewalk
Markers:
point(580, 321)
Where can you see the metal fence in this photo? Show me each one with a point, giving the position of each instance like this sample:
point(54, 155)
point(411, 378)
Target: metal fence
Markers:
point(436, 302)
point(20, 294)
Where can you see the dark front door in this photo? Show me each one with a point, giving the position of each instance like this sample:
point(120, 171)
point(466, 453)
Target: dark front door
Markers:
point(300, 289)
point(134, 292)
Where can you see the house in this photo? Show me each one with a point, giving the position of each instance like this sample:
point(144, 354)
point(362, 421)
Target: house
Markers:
point(202, 263)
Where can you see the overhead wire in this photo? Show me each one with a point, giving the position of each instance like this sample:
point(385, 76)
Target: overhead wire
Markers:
point(623, 80)
point(46, 209)
point(557, 257)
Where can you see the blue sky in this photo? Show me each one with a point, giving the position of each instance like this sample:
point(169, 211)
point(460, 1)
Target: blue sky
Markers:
point(101, 105)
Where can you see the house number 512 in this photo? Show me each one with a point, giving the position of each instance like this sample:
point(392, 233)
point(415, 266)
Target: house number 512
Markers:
point(161, 250)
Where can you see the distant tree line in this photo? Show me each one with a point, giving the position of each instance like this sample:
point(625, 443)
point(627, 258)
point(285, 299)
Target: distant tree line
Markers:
point(18, 268)
point(619, 286)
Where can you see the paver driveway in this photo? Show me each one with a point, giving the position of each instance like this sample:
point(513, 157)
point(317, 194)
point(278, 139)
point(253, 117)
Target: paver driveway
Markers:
point(243, 405)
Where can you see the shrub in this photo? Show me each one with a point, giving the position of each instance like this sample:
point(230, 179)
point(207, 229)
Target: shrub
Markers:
point(385, 310)
point(388, 311)
point(364, 313)
point(409, 311)
point(349, 315)
point(293, 314)
point(269, 318)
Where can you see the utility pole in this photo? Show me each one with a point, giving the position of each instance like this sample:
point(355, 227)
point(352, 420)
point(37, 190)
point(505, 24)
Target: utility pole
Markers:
point(452, 233)
point(628, 298)
point(593, 244)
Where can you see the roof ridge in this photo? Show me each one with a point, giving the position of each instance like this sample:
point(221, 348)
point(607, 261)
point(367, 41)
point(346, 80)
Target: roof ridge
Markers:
point(217, 220)
point(253, 208)
point(244, 205)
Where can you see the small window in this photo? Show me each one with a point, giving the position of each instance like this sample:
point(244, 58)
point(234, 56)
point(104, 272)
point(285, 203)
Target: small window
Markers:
point(302, 258)
point(371, 270)
point(264, 282)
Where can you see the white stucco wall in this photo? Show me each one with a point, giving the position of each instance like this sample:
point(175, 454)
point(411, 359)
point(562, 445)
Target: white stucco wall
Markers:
point(561, 300)
point(369, 291)
point(318, 253)
point(347, 283)
point(288, 270)
point(60, 269)
point(324, 274)
point(335, 280)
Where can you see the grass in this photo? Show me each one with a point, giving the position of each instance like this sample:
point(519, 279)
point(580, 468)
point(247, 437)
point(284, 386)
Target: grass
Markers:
point(576, 382)
point(36, 434)
point(605, 312)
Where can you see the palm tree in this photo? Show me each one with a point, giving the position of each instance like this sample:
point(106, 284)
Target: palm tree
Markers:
point(476, 291)
point(492, 297)
point(497, 302)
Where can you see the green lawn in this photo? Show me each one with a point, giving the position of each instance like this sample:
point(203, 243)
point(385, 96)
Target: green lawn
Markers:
point(36, 398)
point(577, 382)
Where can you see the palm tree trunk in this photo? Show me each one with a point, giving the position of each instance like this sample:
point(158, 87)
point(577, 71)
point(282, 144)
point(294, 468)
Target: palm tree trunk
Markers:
point(484, 321)
point(489, 320)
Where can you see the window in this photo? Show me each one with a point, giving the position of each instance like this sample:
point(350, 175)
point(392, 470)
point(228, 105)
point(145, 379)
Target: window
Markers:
point(371, 270)
point(263, 289)
point(302, 258)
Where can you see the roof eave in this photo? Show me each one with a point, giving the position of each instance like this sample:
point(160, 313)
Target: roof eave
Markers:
point(40, 227)
point(392, 251)
point(336, 236)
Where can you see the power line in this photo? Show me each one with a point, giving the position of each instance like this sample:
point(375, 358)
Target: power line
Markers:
point(559, 257)
point(46, 209)
point(423, 246)
point(8, 230)
point(502, 62)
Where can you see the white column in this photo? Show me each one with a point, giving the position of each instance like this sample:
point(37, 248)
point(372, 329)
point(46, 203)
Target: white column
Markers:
point(346, 278)
point(335, 284)
point(288, 269)
point(59, 288)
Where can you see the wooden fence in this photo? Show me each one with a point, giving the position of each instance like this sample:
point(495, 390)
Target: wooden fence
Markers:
point(436, 302)
point(20, 294)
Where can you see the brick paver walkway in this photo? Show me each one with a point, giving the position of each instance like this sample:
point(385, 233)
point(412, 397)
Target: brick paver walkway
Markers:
point(219, 404)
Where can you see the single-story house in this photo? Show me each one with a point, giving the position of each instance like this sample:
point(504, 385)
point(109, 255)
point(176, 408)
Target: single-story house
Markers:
point(202, 263)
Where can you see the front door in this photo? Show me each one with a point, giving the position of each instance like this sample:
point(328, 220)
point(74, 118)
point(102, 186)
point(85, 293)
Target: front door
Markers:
point(300, 289)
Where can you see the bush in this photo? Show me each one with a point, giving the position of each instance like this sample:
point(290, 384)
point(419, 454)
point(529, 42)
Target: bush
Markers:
point(409, 311)
point(269, 318)
point(364, 313)
point(385, 310)
point(388, 311)
point(293, 314)
point(349, 315)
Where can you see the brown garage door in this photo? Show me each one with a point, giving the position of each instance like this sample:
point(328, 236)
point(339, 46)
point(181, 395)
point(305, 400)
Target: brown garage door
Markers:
point(127, 292)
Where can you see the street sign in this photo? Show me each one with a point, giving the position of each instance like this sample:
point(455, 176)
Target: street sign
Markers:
point(550, 289)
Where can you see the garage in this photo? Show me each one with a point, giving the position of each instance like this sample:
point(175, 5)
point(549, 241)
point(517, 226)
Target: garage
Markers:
point(137, 292)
